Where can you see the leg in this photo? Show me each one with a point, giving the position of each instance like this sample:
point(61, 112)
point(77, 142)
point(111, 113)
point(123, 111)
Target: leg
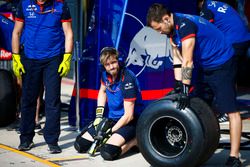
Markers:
point(52, 84)
point(84, 142)
point(30, 89)
point(120, 142)
point(127, 146)
point(235, 126)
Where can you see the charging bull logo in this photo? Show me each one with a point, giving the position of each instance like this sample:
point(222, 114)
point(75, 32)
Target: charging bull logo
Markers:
point(148, 49)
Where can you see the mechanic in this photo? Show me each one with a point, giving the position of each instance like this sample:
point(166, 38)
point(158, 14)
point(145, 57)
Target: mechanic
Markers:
point(226, 19)
point(199, 45)
point(120, 89)
point(48, 44)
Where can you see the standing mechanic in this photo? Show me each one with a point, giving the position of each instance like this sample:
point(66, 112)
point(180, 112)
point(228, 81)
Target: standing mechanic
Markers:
point(120, 89)
point(226, 19)
point(48, 43)
point(199, 45)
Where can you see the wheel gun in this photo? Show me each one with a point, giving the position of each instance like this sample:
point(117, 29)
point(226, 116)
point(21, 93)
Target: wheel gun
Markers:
point(103, 132)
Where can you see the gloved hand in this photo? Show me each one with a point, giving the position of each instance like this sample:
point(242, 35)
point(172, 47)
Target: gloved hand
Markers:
point(177, 88)
point(98, 116)
point(183, 98)
point(65, 65)
point(17, 66)
point(104, 135)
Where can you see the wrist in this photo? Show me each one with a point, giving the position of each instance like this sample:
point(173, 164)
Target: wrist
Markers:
point(185, 88)
point(99, 111)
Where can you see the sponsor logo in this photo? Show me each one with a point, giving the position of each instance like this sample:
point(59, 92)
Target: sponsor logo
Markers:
point(182, 25)
point(31, 15)
point(4, 21)
point(148, 49)
point(128, 86)
point(5, 55)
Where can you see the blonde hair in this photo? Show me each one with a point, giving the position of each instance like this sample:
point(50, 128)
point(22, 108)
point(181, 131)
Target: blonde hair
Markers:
point(108, 52)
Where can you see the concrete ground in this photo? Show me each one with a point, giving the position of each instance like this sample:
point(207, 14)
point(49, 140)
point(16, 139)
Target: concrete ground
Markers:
point(39, 156)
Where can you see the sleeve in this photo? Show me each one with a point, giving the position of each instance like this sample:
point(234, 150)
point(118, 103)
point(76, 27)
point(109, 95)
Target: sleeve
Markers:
point(129, 87)
point(187, 29)
point(19, 16)
point(66, 17)
point(207, 14)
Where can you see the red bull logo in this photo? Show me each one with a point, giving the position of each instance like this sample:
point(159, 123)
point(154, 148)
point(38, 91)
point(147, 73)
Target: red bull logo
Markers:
point(148, 49)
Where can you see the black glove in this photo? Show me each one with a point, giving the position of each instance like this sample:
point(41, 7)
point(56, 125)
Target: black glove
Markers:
point(177, 88)
point(183, 98)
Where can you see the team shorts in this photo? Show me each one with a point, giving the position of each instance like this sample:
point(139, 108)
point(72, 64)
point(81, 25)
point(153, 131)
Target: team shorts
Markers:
point(128, 131)
point(222, 82)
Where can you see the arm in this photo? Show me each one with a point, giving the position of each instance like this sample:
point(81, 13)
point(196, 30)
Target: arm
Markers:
point(127, 117)
point(177, 59)
point(187, 63)
point(16, 34)
point(102, 96)
point(67, 29)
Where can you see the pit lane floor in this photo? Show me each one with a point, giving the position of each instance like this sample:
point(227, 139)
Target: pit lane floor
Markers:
point(39, 156)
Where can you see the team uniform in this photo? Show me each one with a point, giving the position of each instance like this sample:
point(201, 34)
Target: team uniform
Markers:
point(213, 58)
point(226, 19)
point(43, 53)
point(125, 88)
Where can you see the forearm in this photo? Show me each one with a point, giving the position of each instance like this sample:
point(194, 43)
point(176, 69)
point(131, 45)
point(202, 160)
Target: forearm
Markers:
point(102, 97)
point(186, 72)
point(16, 34)
point(124, 120)
point(177, 61)
point(15, 42)
point(68, 37)
point(69, 43)
point(127, 116)
point(187, 61)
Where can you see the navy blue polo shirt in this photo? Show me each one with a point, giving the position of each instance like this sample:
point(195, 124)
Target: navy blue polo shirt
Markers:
point(211, 49)
point(226, 19)
point(43, 34)
point(125, 88)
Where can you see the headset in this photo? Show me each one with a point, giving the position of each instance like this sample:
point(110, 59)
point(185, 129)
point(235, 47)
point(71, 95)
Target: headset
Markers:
point(114, 51)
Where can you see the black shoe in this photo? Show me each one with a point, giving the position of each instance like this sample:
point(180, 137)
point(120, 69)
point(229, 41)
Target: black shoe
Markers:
point(54, 149)
point(233, 162)
point(38, 127)
point(25, 146)
point(223, 118)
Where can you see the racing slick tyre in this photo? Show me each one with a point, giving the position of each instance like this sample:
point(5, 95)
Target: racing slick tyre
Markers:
point(170, 137)
point(210, 126)
point(7, 98)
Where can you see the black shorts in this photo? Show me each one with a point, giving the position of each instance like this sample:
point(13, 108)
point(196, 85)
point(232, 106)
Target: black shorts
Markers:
point(221, 81)
point(128, 131)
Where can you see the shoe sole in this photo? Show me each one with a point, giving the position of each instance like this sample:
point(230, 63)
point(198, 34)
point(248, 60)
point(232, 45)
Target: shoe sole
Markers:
point(27, 148)
point(54, 152)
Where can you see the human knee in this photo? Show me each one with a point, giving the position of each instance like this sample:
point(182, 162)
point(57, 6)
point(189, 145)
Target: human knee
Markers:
point(110, 152)
point(82, 145)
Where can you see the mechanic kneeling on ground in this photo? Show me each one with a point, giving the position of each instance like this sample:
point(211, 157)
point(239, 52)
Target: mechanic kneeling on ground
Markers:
point(120, 89)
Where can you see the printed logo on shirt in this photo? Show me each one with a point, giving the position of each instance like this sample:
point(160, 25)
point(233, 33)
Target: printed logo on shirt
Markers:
point(128, 86)
point(31, 8)
point(31, 11)
point(182, 25)
point(202, 14)
point(31, 15)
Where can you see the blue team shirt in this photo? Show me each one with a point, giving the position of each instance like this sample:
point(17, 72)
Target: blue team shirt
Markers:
point(211, 49)
point(43, 34)
point(227, 20)
point(126, 88)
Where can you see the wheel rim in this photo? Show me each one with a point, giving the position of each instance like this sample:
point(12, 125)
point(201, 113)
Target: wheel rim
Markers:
point(168, 136)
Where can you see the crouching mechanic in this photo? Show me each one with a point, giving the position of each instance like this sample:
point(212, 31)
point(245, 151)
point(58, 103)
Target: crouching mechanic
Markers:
point(120, 89)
